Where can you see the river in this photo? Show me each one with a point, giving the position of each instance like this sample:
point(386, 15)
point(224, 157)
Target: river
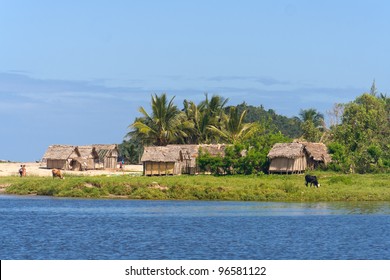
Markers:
point(34, 227)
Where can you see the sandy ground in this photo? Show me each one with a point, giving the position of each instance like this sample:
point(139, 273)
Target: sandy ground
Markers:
point(39, 169)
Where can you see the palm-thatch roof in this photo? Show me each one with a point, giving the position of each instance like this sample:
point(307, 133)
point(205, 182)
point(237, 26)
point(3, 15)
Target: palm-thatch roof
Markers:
point(173, 153)
point(105, 146)
point(286, 150)
point(61, 152)
point(160, 154)
point(214, 149)
point(86, 151)
point(105, 150)
point(317, 151)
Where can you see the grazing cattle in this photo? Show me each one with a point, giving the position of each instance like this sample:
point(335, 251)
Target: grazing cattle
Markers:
point(57, 173)
point(312, 180)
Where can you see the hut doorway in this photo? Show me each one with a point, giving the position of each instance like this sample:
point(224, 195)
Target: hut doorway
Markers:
point(75, 165)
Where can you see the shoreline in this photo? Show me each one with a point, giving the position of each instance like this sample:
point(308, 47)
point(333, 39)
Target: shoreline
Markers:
point(39, 169)
point(273, 188)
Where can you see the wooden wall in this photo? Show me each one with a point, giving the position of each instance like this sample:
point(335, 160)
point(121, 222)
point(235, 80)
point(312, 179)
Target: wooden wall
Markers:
point(159, 168)
point(110, 162)
point(288, 165)
point(57, 163)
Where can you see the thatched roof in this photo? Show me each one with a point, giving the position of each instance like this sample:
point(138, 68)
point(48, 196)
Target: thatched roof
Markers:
point(317, 151)
point(159, 154)
point(173, 153)
point(86, 151)
point(186, 152)
point(106, 150)
point(105, 146)
point(59, 152)
point(214, 149)
point(64, 152)
point(286, 150)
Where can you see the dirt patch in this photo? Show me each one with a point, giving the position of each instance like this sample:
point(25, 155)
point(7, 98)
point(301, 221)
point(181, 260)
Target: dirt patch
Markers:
point(155, 185)
point(3, 187)
point(39, 169)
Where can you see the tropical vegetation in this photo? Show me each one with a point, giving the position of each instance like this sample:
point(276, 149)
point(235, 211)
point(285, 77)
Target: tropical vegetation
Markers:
point(358, 135)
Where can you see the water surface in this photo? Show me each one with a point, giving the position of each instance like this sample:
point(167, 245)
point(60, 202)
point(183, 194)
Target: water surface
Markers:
point(36, 227)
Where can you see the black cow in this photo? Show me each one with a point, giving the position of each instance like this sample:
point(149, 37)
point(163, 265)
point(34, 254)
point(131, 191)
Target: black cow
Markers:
point(312, 180)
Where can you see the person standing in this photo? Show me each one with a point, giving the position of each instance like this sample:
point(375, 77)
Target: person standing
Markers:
point(22, 170)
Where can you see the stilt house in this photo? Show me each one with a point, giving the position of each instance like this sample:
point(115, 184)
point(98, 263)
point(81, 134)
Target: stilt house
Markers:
point(287, 158)
point(69, 157)
point(61, 156)
point(108, 155)
point(89, 157)
point(175, 159)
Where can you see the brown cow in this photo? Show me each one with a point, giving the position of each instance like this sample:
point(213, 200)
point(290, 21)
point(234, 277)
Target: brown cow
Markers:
point(57, 173)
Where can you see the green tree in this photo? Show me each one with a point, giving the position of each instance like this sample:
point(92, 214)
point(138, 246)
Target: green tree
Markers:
point(313, 116)
point(166, 124)
point(233, 128)
point(313, 125)
point(207, 113)
point(365, 132)
point(271, 121)
point(131, 150)
point(248, 156)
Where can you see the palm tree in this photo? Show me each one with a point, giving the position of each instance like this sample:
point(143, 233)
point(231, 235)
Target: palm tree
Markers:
point(233, 129)
point(165, 125)
point(313, 125)
point(312, 115)
point(208, 112)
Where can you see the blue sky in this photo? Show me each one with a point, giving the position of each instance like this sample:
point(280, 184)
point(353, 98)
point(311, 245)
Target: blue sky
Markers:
point(75, 72)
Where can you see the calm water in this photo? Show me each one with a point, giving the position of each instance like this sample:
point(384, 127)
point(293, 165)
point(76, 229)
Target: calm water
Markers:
point(52, 228)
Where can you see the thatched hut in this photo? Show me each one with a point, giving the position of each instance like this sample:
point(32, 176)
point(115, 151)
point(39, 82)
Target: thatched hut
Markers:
point(159, 160)
point(107, 154)
point(186, 163)
point(71, 157)
point(317, 155)
point(89, 158)
point(175, 159)
point(287, 158)
point(60, 156)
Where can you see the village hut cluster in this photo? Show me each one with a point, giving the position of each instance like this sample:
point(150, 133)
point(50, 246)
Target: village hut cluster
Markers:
point(181, 159)
point(80, 158)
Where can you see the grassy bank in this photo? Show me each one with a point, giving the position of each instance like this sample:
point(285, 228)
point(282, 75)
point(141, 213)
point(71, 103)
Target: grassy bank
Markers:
point(334, 187)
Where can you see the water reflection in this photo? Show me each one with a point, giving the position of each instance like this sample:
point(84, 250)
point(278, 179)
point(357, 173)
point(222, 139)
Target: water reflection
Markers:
point(195, 208)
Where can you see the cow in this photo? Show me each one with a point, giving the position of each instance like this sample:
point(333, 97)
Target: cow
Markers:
point(312, 180)
point(57, 173)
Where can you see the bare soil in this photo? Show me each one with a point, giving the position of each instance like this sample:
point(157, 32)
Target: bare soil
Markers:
point(39, 169)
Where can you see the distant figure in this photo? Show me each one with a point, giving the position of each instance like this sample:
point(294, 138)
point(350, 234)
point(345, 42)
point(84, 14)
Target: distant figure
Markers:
point(57, 173)
point(312, 180)
point(22, 171)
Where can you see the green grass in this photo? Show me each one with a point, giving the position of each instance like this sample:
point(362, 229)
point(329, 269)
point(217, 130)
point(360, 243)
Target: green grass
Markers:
point(334, 187)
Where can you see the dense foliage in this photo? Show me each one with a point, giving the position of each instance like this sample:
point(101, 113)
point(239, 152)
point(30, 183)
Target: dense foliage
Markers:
point(358, 139)
point(361, 142)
